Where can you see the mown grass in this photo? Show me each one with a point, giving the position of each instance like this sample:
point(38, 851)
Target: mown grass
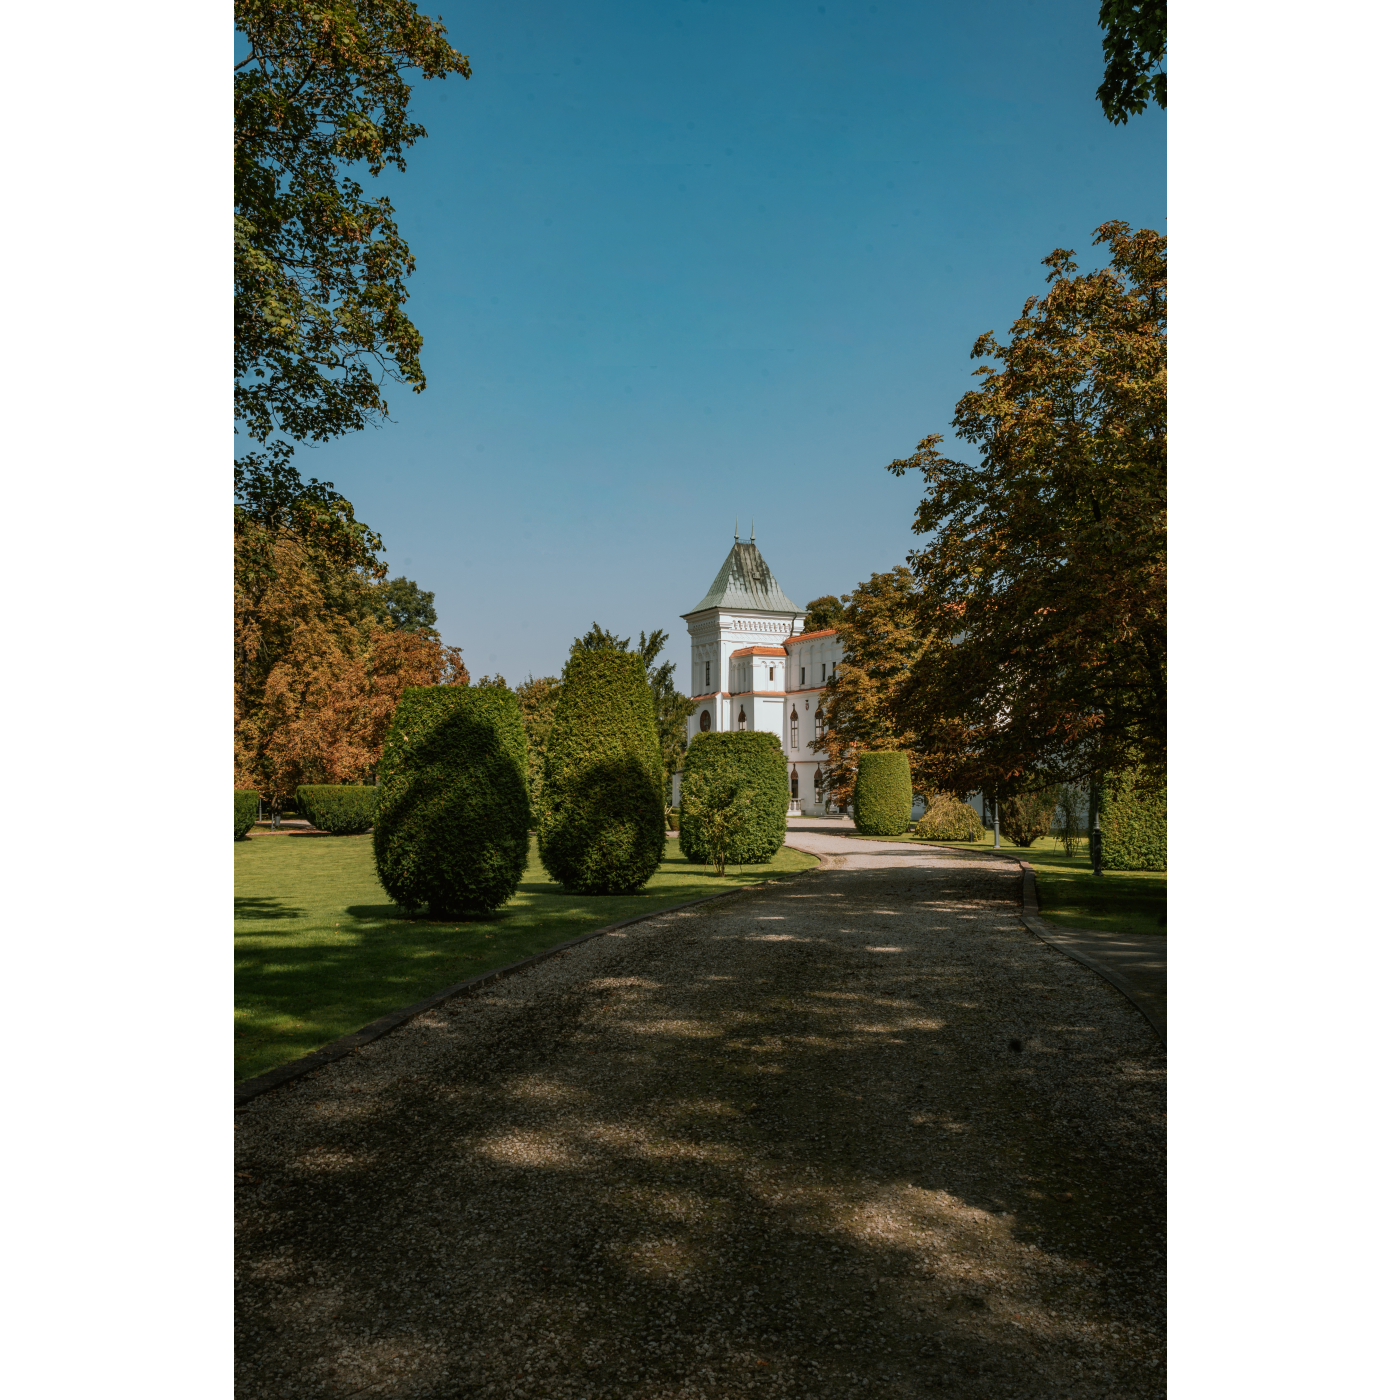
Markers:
point(320, 949)
point(1118, 901)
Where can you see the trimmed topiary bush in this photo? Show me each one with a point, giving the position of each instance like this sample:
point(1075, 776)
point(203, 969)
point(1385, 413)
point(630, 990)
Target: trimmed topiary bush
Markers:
point(602, 811)
point(1133, 820)
point(343, 811)
point(245, 811)
point(751, 762)
point(1028, 816)
point(452, 826)
point(947, 819)
point(884, 797)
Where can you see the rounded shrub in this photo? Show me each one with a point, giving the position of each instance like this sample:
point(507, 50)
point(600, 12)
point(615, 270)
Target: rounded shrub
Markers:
point(947, 819)
point(752, 762)
point(245, 811)
point(602, 810)
point(343, 811)
point(884, 797)
point(452, 826)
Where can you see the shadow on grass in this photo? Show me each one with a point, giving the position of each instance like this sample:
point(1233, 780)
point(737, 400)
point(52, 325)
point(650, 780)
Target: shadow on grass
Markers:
point(265, 909)
point(803, 1193)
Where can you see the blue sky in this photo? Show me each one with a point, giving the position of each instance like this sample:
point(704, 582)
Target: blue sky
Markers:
point(688, 259)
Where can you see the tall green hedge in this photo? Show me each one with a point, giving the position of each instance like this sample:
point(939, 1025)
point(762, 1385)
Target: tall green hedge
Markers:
point(245, 811)
point(343, 811)
point(452, 827)
point(602, 810)
point(757, 760)
point(1133, 820)
point(884, 795)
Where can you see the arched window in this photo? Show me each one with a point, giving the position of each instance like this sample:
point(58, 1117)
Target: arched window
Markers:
point(817, 781)
point(770, 673)
point(792, 728)
point(821, 724)
point(794, 784)
point(743, 718)
point(704, 721)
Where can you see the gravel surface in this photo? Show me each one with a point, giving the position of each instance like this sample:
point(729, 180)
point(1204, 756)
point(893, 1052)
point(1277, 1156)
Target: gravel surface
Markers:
point(780, 1144)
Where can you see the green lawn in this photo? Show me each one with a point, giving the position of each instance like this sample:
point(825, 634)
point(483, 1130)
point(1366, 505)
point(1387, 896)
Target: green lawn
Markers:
point(319, 948)
point(1120, 901)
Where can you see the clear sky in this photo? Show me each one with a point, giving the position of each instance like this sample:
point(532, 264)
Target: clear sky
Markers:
point(683, 260)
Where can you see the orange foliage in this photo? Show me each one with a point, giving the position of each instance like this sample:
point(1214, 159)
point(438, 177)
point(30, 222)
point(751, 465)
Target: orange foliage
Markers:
point(316, 679)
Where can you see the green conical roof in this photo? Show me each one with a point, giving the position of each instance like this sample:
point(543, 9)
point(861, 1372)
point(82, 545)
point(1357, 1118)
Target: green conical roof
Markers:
point(747, 583)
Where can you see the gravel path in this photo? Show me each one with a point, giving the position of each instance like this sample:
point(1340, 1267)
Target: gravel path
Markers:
point(780, 1144)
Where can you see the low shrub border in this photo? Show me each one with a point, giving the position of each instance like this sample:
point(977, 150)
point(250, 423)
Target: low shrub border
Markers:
point(342, 811)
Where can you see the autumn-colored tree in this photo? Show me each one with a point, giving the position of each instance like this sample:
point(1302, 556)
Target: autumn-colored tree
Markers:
point(317, 678)
point(822, 613)
point(1042, 593)
point(880, 641)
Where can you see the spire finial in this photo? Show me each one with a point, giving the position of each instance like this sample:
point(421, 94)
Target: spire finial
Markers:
point(751, 540)
point(736, 529)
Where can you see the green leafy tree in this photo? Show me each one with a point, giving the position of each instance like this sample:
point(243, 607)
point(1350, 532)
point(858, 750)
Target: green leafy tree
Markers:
point(672, 708)
point(538, 697)
point(401, 605)
point(319, 269)
point(1042, 594)
point(1134, 48)
point(719, 805)
point(823, 612)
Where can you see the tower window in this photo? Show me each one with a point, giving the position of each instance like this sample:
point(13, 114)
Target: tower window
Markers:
point(803, 675)
point(707, 680)
point(743, 718)
point(792, 727)
point(823, 672)
point(704, 721)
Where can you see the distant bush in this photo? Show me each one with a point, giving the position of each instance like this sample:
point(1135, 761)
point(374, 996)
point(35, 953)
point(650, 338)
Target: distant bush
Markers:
point(343, 811)
point(1133, 820)
point(452, 827)
point(602, 810)
point(1028, 816)
point(245, 811)
point(731, 764)
point(947, 819)
point(884, 797)
point(1070, 817)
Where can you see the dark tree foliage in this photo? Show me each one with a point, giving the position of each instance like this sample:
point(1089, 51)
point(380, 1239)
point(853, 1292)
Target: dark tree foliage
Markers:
point(1042, 592)
point(824, 612)
point(452, 826)
point(601, 817)
point(1027, 816)
point(751, 762)
point(320, 270)
point(884, 797)
point(1134, 47)
point(401, 605)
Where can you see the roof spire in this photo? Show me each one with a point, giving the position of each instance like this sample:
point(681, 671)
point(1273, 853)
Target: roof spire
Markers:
point(751, 539)
point(736, 529)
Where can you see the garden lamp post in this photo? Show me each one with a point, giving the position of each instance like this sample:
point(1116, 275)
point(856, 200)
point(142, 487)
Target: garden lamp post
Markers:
point(1095, 835)
point(996, 825)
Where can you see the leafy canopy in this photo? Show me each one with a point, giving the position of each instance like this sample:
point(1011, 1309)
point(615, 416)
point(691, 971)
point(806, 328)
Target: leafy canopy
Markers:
point(401, 605)
point(823, 612)
point(1134, 47)
point(320, 270)
point(1042, 592)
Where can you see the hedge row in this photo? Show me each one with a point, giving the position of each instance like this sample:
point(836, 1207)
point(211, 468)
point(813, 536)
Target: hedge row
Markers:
point(343, 811)
point(452, 829)
point(884, 797)
point(1133, 820)
point(245, 811)
point(755, 759)
point(602, 811)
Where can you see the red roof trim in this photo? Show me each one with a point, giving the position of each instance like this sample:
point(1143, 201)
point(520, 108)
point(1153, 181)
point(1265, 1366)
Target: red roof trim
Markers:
point(759, 651)
point(809, 637)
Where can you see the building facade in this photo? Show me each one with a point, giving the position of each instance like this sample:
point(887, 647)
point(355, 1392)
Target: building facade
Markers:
point(753, 667)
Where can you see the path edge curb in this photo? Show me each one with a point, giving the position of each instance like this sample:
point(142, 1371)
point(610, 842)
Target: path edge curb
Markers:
point(244, 1093)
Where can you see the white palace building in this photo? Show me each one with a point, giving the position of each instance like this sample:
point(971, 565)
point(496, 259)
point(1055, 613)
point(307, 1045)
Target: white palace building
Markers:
point(753, 667)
